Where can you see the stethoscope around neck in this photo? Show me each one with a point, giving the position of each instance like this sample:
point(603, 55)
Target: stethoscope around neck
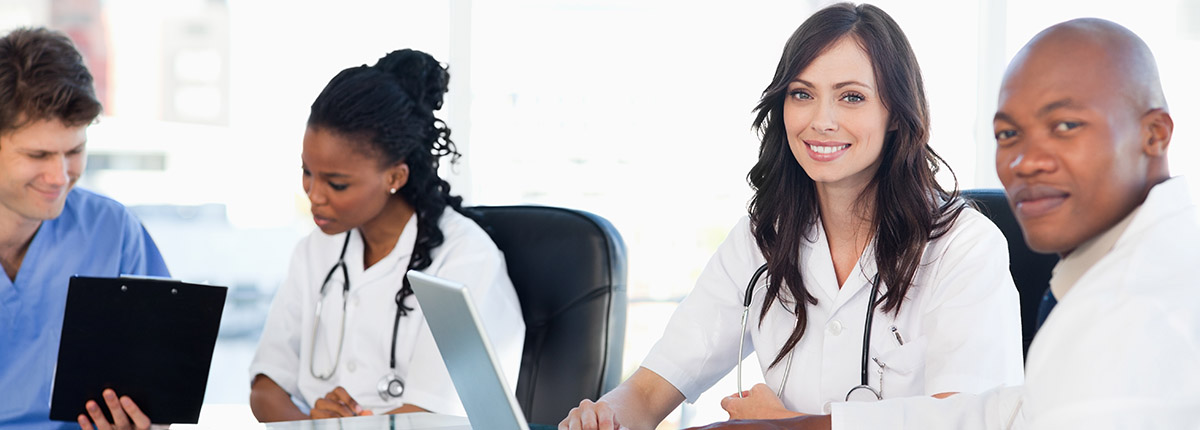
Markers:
point(863, 391)
point(390, 386)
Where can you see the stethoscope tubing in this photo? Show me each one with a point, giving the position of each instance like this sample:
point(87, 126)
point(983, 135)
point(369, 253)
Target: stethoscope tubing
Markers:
point(341, 339)
point(745, 317)
point(317, 315)
point(748, 297)
point(867, 327)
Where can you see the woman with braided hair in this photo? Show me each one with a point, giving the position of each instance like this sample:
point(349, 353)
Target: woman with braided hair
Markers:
point(343, 336)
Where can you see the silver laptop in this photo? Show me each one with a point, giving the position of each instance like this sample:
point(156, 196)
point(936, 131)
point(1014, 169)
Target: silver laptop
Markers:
point(469, 356)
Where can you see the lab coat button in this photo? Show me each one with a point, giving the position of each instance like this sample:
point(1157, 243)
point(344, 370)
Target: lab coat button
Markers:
point(828, 408)
point(835, 328)
point(350, 366)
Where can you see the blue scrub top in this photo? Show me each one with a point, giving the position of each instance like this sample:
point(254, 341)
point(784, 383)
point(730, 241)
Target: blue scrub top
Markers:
point(94, 236)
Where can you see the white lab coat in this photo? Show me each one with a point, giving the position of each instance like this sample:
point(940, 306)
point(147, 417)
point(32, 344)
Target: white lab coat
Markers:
point(1118, 351)
point(467, 256)
point(960, 322)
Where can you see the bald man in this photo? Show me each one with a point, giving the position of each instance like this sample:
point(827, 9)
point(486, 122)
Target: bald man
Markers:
point(1082, 132)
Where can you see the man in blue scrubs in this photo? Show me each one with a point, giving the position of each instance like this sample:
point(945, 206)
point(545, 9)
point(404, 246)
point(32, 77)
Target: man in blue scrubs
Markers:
point(50, 230)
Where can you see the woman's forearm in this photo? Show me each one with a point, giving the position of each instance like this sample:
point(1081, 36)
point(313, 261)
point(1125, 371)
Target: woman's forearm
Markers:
point(271, 403)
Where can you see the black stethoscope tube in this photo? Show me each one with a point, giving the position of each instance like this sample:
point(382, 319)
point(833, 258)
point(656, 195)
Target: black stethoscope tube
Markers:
point(340, 263)
point(867, 326)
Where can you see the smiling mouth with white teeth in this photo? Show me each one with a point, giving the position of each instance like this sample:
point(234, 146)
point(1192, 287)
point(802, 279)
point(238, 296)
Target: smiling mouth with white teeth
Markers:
point(827, 149)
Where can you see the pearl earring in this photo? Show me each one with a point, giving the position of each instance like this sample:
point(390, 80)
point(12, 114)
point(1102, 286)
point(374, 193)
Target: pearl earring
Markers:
point(393, 191)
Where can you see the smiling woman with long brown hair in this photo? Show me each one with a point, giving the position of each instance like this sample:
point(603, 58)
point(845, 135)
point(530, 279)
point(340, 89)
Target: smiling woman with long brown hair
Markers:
point(876, 281)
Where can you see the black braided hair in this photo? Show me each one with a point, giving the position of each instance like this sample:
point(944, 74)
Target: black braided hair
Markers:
point(388, 108)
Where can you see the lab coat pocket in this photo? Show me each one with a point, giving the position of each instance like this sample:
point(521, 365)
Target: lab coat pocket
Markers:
point(904, 369)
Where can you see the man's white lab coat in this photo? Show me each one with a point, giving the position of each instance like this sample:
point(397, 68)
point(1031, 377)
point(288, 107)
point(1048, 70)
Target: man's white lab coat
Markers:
point(1120, 350)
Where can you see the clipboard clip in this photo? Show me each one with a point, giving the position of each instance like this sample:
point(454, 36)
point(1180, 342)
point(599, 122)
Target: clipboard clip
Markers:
point(149, 278)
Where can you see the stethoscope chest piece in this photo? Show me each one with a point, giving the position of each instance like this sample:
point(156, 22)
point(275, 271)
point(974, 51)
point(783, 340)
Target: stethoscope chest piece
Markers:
point(863, 393)
point(390, 386)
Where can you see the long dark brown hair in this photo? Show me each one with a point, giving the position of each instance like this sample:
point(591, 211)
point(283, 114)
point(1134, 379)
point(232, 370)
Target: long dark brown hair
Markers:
point(910, 208)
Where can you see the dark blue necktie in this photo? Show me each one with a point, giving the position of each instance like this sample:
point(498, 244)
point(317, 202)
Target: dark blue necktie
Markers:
point(1048, 302)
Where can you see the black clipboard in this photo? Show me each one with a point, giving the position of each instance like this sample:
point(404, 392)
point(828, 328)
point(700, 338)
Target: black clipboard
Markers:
point(150, 339)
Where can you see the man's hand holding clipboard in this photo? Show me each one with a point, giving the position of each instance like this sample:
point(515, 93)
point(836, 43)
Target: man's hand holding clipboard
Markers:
point(148, 340)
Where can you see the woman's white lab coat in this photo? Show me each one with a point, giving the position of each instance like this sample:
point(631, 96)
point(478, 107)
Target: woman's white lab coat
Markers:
point(960, 322)
point(467, 256)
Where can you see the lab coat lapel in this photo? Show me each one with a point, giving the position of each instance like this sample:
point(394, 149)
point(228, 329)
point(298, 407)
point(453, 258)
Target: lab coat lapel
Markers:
point(397, 259)
point(1165, 199)
point(820, 279)
point(860, 279)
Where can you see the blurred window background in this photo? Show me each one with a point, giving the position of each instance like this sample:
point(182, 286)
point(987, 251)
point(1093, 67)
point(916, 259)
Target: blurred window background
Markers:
point(639, 111)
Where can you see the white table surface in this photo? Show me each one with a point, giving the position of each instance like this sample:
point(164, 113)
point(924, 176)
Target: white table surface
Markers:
point(238, 416)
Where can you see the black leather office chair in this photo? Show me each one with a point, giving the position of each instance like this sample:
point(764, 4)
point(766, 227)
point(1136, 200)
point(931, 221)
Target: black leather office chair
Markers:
point(1030, 270)
point(568, 267)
